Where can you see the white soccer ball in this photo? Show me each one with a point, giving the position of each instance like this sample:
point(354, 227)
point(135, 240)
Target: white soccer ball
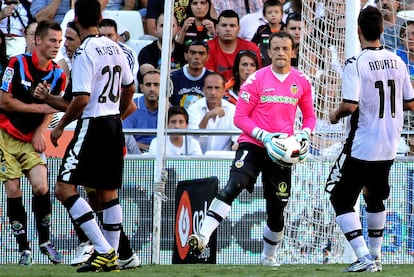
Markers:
point(291, 148)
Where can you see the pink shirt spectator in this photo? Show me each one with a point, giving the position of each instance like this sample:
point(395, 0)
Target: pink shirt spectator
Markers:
point(271, 104)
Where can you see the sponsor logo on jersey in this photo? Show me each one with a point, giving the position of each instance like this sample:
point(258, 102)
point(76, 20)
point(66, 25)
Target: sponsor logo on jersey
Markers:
point(282, 187)
point(16, 225)
point(183, 224)
point(26, 83)
point(278, 99)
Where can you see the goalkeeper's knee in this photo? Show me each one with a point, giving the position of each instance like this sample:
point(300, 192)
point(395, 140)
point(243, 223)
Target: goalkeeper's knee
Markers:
point(235, 185)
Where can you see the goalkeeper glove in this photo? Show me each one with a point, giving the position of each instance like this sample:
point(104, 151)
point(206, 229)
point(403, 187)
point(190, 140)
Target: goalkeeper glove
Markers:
point(264, 136)
point(303, 138)
point(274, 150)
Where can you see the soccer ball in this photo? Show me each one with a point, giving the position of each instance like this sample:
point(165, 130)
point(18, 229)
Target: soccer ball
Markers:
point(290, 147)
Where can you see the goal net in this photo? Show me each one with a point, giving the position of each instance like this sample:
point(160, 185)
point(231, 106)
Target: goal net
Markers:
point(311, 227)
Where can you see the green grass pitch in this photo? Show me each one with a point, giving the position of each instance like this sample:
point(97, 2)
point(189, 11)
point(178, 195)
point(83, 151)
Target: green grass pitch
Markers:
point(201, 270)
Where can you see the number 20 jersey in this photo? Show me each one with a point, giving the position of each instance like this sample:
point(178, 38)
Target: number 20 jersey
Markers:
point(377, 80)
point(99, 69)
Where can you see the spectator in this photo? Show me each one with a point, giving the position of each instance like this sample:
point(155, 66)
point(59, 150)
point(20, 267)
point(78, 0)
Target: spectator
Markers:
point(291, 6)
point(406, 53)
point(225, 46)
point(141, 7)
point(23, 121)
point(177, 144)
point(109, 28)
point(146, 115)
point(294, 28)
point(49, 9)
point(389, 9)
point(14, 18)
point(273, 12)
point(156, 7)
point(115, 5)
point(152, 52)
point(29, 35)
point(250, 22)
point(245, 64)
point(122, 31)
point(199, 24)
point(143, 68)
point(406, 50)
point(188, 82)
point(213, 112)
point(239, 6)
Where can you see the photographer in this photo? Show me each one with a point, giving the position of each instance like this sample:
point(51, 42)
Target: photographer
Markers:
point(14, 18)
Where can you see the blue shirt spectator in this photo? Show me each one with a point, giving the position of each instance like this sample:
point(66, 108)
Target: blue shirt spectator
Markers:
point(146, 115)
point(144, 119)
point(49, 9)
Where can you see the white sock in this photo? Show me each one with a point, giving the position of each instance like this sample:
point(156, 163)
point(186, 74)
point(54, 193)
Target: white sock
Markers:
point(90, 227)
point(376, 221)
point(350, 222)
point(210, 223)
point(271, 241)
point(112, 215)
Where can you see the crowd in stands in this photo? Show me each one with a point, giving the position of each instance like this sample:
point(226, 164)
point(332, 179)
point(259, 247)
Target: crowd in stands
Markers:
point(226, 37)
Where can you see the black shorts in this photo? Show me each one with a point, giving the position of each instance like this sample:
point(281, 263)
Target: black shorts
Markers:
point(94, 157)
point(349, 175)
point(252, 159)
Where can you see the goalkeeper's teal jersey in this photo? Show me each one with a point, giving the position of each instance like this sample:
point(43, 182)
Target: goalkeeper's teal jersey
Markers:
point(377, 80)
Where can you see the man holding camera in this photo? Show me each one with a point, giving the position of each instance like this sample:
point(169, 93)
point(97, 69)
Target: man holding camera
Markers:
point(14, 18)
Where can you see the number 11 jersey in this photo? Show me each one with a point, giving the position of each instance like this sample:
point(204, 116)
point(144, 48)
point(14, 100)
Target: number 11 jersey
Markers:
point(377, 80)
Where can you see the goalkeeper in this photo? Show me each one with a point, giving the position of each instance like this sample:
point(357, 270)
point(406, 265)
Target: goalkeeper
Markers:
point(266, 109)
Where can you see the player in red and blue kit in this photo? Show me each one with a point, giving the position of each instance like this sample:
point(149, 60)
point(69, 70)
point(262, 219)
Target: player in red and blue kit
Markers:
point(266, 108)
point(23, 120)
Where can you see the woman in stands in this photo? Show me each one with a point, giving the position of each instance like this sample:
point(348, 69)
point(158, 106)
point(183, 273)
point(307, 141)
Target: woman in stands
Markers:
point(245, 64)
point(199, 24)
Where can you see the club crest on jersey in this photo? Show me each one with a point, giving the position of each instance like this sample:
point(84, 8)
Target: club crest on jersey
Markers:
point(294, 89)
point(239, 164)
